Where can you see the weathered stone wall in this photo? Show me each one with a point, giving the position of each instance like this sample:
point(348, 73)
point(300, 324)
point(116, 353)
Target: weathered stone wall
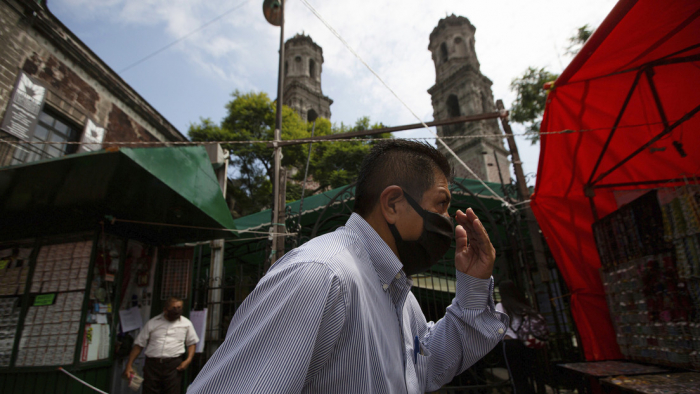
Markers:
point(302, 84)
point(73, 87)
point(459, 81)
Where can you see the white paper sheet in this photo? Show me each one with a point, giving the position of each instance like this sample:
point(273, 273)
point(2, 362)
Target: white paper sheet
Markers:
point(130, 319)
point(199, 321)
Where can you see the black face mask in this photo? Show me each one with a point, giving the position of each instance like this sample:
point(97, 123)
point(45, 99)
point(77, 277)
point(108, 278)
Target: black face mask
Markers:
point(419, 255)
point(173, 314)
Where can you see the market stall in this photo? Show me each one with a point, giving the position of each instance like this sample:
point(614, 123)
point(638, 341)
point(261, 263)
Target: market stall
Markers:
point(621, 121)
point(86, 257)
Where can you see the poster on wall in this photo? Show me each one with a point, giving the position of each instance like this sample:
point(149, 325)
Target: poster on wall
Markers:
point(25, 105)
point(92, 137)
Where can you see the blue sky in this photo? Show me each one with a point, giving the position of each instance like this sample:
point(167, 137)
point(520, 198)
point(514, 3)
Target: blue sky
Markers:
point(195, 77)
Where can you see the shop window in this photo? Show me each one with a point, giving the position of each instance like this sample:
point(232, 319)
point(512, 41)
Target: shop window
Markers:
point(50, 128)
point(176, 278)
point(312, 68)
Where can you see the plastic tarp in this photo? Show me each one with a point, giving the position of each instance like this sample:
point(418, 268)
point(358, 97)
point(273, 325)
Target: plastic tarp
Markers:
point(641, 71)
point(168, 195)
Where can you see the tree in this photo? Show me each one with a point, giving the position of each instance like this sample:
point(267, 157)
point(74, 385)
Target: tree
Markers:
point(531, 97)
point(335, 164)
point(251, 116)
point(576, 41)
point(530, 100)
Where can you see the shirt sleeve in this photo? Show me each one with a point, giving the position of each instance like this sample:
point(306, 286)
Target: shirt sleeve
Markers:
point(144, 335)
point(280, 335)
point(470, 329)
point(191, 337)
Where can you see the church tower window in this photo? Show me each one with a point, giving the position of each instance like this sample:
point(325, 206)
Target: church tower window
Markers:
point(312, 68)
point(443, 52)
point(453, 106)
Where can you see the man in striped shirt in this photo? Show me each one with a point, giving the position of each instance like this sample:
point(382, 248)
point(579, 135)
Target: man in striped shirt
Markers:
point(336, 315)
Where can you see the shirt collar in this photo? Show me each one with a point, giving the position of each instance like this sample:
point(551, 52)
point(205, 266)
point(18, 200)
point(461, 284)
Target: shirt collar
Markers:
point(383, 258)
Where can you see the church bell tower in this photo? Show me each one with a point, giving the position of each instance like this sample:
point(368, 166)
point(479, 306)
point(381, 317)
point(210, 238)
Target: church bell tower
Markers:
point(461, 90)
point(303, 59)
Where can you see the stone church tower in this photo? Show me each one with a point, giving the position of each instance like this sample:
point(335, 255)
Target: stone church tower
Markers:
point(302, 77)
point(461, 90)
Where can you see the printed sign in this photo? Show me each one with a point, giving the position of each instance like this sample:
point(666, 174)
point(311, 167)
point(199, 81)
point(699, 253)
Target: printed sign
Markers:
point(92, 137)
point(44, 299)
point(23, 110)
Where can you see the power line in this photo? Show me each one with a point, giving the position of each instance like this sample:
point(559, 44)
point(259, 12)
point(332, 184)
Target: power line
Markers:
point(200, 28)
point(313, 11)
point(187, 143)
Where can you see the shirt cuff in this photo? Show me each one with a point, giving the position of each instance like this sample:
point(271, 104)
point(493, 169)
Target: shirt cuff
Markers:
point(471, 292)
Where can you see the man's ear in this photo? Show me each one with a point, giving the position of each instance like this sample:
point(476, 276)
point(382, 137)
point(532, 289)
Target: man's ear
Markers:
point(389, 203)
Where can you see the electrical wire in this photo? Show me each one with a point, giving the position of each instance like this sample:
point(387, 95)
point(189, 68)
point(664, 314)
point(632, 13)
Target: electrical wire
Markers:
point(113, 220)
point(200, 28)
point(456, 137)
point(459, 160)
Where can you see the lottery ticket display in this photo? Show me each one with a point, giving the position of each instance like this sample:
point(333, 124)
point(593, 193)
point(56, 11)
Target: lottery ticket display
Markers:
point(14, 268)
point(52, 322)
point(51, 331)
point(9, 317)
point(650, 254)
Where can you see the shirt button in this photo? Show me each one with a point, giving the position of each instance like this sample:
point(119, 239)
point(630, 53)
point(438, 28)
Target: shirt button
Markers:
point(500, 331)
point(385, 286)
point(398, 276)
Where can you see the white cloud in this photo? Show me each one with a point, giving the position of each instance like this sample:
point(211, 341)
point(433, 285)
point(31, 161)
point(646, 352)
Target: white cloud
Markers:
point(392, 37)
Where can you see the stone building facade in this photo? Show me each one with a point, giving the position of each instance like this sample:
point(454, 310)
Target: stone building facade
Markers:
point(79, 87)
point(303, 61)
point(461, 90)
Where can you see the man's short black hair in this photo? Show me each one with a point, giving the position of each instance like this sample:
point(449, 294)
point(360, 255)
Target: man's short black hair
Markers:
point(404, 163)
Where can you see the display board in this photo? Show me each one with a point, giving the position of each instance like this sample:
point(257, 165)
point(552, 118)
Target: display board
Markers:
point(9, 316)
point(650, 254)
point(52, 321)
point(14, 268)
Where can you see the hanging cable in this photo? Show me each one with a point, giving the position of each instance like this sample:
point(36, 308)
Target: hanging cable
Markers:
point(200, 28)
point(313, 10)
point(300, 141)
point(113, 220)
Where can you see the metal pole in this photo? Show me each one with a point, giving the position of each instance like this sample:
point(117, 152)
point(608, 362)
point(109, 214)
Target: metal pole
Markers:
point(216, 278)
point(276, 228)
point(532, 226)
point(303, 185)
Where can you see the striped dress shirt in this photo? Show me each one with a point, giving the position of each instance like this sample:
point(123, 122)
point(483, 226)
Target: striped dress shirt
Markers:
point(336, 315)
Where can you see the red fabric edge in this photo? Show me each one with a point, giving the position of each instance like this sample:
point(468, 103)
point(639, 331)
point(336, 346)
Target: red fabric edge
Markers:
point(601, 33)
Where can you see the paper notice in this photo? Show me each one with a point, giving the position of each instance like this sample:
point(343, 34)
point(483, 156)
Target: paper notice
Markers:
point(130, 319)
point(199, 321)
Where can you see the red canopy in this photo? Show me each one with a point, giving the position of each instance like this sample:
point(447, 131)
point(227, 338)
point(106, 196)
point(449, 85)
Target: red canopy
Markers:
point(626, 103)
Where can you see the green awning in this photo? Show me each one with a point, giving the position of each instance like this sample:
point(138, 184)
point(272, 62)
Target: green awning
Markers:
point(313, 205)
point(172, 192)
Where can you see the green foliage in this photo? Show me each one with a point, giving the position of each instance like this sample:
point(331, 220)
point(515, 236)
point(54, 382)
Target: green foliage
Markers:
point(335, 164)
point(530, 100)
point(576, 41)
point(531, 97)
point(251, 116)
